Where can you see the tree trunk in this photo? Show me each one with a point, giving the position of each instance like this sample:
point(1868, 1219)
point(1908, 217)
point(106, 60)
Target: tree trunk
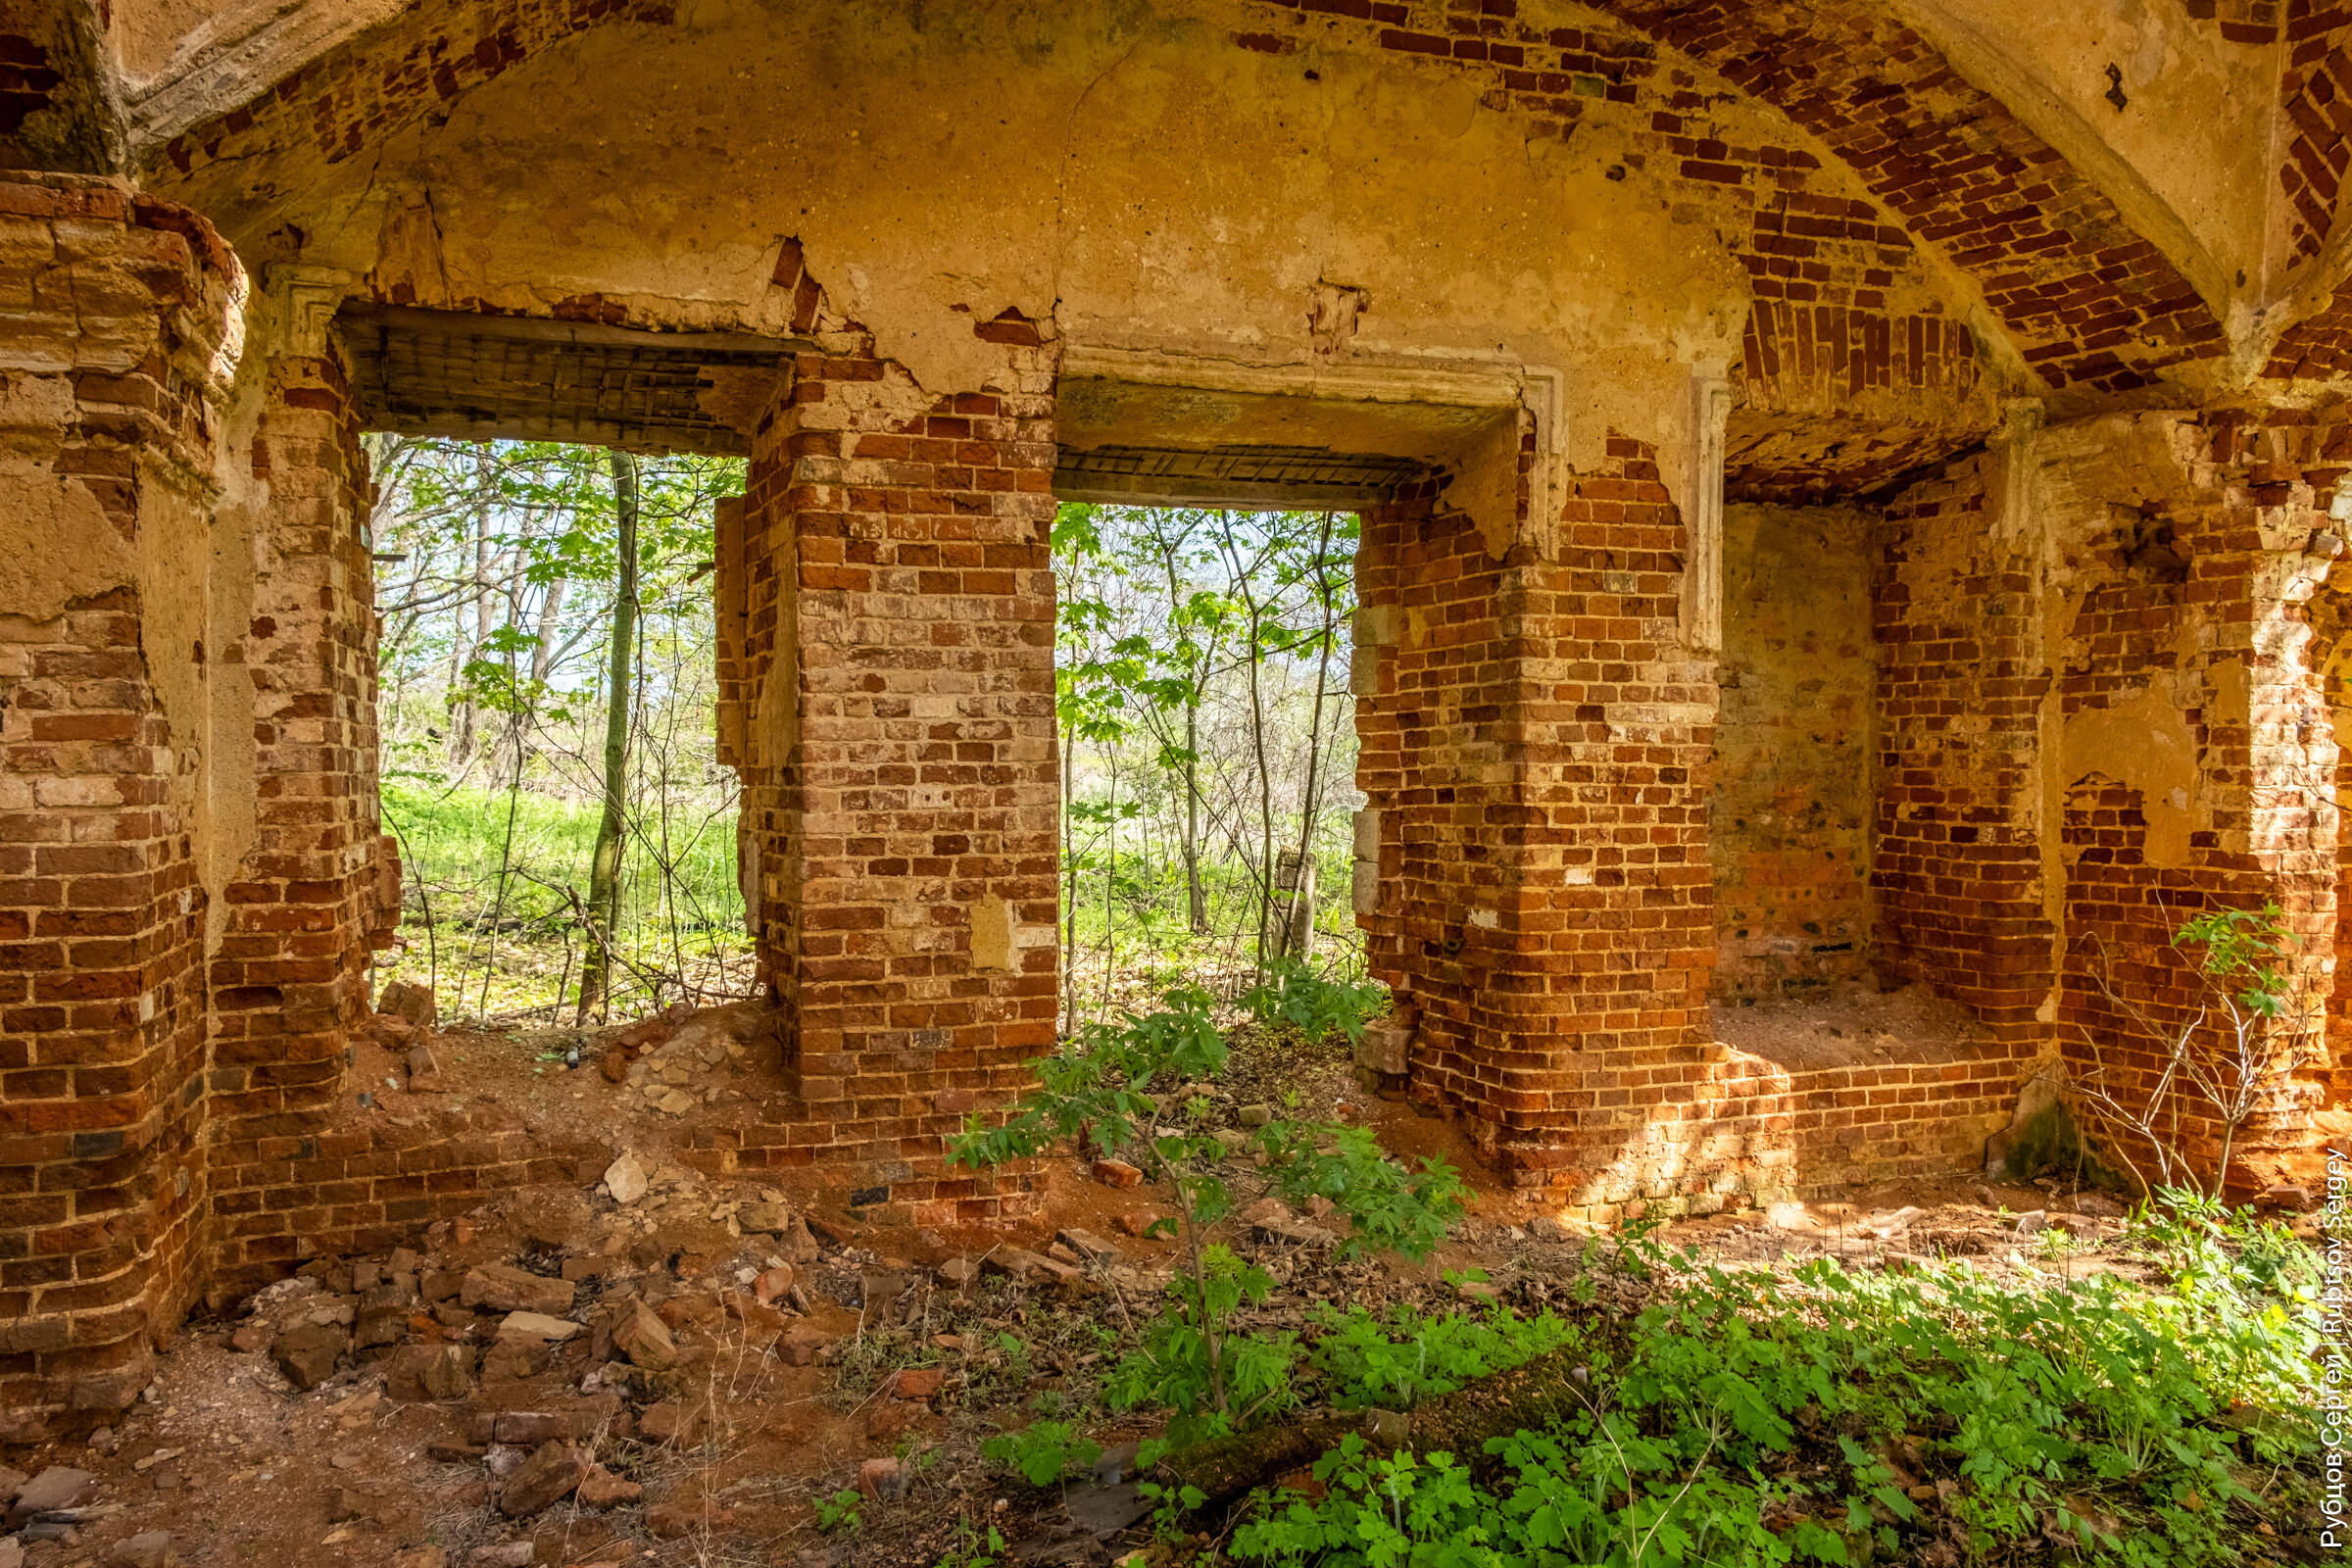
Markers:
point(1196, 902)
point(462, 752)
point(1526, 1397)
point(1069, 874)
point(604, 872)
point(1297, 931)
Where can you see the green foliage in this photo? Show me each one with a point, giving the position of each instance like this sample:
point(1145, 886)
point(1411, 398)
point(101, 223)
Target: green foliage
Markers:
point(2243, 949)
point(1743, 1424)
point(1212, 1385)
point(840, 1510)
point(1043, 1452)
point(1293, 998)
point(1096, 1088)
point(972, 1550)
point(1389, 1208)
point(1398, 1361)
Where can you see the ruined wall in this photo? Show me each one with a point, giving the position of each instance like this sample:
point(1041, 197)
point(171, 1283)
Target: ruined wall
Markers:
point(305, 897)
point(900, 762)
point(1536, 747)
point(2102, 716)
point(1790, 822)
point(116, 310)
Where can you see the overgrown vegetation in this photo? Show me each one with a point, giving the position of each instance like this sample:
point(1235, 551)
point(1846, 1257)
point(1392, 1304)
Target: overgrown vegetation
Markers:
point(1932, 1413)
point(1937, 1417)
point(1099, 1091)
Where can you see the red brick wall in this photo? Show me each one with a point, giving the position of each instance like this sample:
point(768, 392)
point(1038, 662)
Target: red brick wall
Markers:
point(2158, 560)
point(1537, 751)
point(290, 971)
point(2217, 616)
point(1956, 875)
point(900, 762)
point(113, 306)
point(1792, 810)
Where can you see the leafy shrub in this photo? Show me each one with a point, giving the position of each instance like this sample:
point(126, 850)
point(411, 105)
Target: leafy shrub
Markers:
point(1095, 1089)
point(1043, 1453)
point(1295, 998)
point(1737, 1423)
point(1398, 1361)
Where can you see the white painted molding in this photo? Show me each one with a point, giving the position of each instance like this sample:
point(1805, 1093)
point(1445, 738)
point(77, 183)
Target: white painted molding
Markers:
point(306, 298)
point(1702, 514)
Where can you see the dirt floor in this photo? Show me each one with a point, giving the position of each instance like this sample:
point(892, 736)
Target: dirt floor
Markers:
point(713, 1360)
point(1854, 1025)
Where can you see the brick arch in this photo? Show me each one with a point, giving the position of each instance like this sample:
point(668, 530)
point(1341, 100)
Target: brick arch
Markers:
point(361, 90)
point(2089, 300)
point(2086, 298)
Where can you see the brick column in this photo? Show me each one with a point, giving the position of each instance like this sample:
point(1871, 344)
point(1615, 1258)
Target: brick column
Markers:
point(1536, 749)
point(304, 906)
point(112, 310)
point(2197, 624)
point(899, 767)
point(1958, 874)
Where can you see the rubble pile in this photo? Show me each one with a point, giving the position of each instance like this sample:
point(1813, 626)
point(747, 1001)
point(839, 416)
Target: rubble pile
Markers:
point(568, 1350)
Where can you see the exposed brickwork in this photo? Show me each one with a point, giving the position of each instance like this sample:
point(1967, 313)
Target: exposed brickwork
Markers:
point(27, 79)
point(1791, 820)
point(385, 78)
point(110, 318)
point(288, 973)
point(899, 658)
point(2173, 577)
point(1744, 1128)
point(2329, 614)
point(2318, 348)
point(364, 1184)
point(1537, 749)
point(1957, 870)
point(2241, 20)
point(2312, 95)
point(2087, 299)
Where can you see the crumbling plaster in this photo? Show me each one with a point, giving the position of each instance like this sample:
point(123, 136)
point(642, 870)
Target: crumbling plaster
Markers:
point(1129, 175)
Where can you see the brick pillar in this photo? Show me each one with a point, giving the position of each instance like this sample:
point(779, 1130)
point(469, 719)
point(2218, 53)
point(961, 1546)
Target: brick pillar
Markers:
point(112, 310)
point(2196, 626)
point(1536, 744)
point(305, 903)
point(899, 759)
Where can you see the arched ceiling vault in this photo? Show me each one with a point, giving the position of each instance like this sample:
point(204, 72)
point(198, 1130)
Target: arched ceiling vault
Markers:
point(2076, 276)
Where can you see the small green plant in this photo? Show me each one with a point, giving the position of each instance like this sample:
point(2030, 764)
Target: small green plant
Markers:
point(1293, 998)
point(840, 1510)
point(1398, 1361)
point(1042, 1453)
point(971, 1548)
point(1097, 1089)
point(2252, 1021)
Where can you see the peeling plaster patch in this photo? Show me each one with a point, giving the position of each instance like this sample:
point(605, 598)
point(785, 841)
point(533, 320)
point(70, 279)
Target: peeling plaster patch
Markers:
point(2145, 745)
point(62, 546)
point(992, 933)
point(2233, 694)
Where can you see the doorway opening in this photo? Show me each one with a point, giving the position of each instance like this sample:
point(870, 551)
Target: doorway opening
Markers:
point(544, 537)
